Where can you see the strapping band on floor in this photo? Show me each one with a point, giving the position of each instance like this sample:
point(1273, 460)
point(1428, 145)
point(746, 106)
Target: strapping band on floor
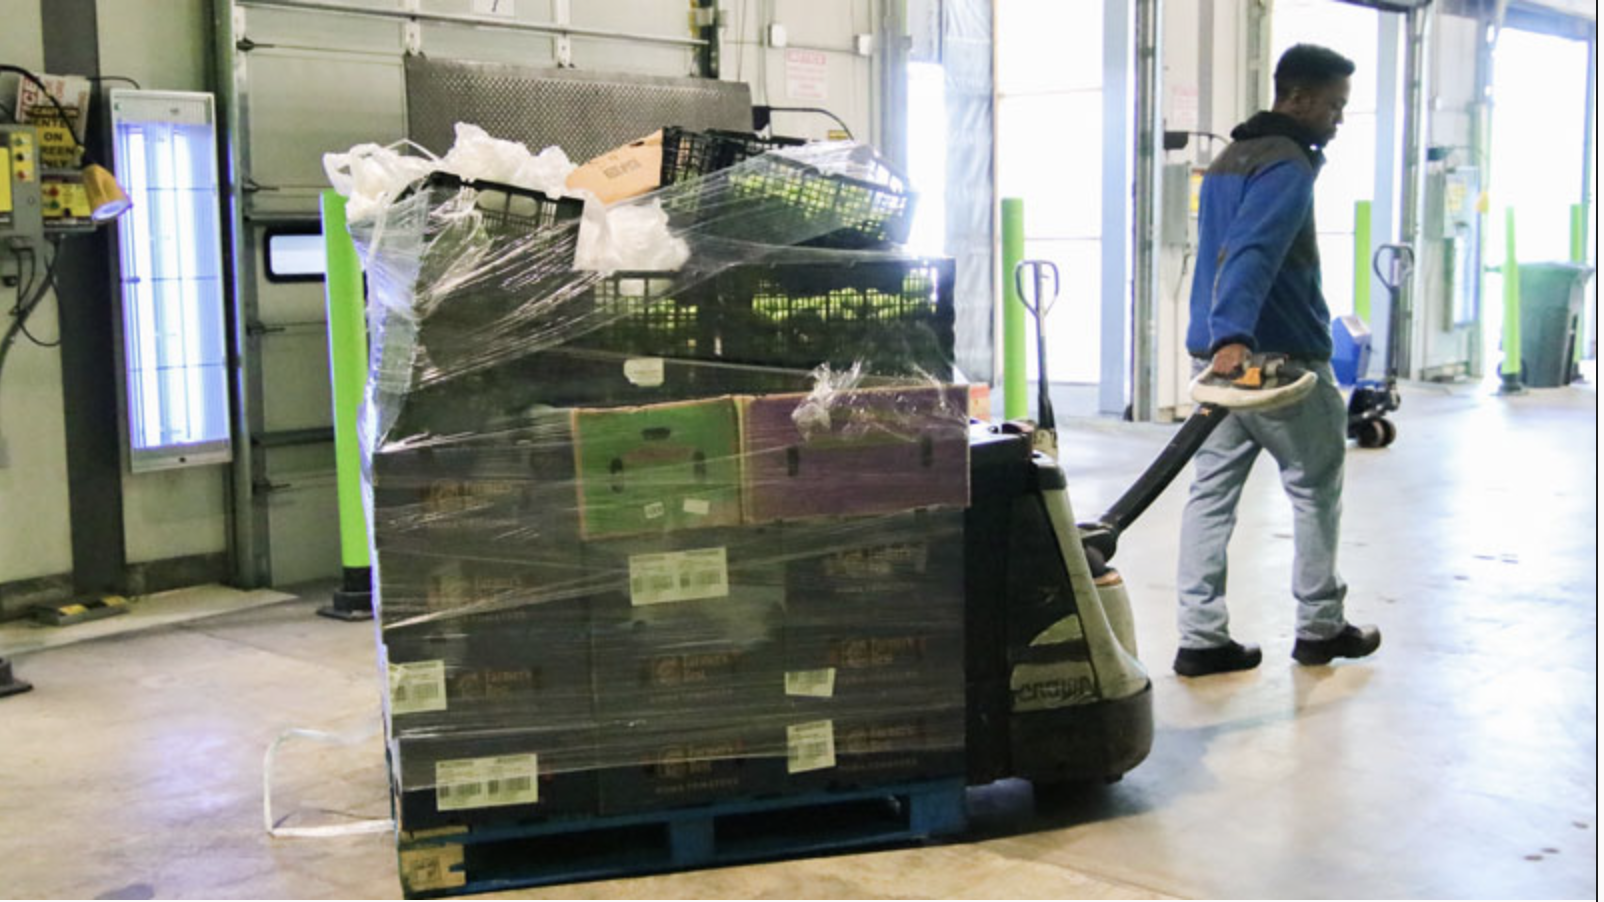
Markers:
point(351, 829)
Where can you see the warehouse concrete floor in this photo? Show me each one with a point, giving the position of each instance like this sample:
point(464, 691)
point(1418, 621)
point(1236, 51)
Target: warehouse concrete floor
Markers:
point(1458, 762)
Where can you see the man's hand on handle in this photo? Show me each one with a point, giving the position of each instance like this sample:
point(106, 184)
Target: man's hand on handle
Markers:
point(1230, 359)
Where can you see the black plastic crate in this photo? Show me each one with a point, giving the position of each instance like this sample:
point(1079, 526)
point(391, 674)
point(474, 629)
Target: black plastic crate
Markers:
point(754, 328)
point(485, 280)
point(646, 314)
point(507, 210)
point(893, 316)
point(689, 155)
point(775, 200)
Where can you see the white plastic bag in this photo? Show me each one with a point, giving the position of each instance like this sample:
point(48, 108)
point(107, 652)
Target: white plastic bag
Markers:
point(628, 236)
point(371, 176)
point(632, 235)
point(476, 155)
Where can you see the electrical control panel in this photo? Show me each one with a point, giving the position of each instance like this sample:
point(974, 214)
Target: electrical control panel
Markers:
point(21, 209)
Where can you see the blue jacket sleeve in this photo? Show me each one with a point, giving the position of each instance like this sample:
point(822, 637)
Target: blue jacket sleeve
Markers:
point(1275, 202)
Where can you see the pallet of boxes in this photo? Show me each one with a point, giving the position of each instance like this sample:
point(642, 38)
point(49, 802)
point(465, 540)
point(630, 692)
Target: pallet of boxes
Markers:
point(669, 562)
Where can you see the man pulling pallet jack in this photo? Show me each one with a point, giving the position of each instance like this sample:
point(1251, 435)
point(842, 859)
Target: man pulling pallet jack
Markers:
point(1257, 289)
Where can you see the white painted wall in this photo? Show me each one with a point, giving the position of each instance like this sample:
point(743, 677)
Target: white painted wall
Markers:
point(1191, 105)
point(826, 28)
point(163, 44)
point(35, 539)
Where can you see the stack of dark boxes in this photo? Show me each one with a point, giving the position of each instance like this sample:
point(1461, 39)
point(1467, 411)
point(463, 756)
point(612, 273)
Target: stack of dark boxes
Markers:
point(627, 557)
point(483, 593)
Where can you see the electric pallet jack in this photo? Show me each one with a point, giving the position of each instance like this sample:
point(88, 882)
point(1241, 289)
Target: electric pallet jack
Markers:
point(1056, 692)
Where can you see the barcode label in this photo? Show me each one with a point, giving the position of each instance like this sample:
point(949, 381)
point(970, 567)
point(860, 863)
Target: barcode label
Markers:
point(811, 746)
point(486, 782)
point(417, 687)
point(811, 683)
point(655, 510)
point(678, 576)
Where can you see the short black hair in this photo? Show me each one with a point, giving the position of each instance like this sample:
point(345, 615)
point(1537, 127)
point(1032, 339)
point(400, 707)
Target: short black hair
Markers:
point(1309, 66)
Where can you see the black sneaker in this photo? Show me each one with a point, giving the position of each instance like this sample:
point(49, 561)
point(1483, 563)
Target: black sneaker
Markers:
point(1195, 662)
point(1264, 382)
point(1352, 642)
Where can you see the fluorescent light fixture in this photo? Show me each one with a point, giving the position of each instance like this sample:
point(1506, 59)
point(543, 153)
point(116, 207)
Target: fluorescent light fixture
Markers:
point(171, 271)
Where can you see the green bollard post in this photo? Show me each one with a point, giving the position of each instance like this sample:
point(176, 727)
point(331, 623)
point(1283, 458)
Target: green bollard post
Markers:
point(1579, 257)
point(1361, 260)
point(348, 368)
point(1510, 372)
point(1016, 404)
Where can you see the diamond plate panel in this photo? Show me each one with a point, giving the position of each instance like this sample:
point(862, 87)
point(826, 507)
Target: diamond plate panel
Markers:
point(584, 113)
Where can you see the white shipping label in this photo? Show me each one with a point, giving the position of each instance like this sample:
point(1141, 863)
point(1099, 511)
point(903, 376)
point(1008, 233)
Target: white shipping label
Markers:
point(646, 372)
point(811, 746)
point(417, 687)
point(678, 576)
point(486, 782)
point(811, 683)
point(701, 507)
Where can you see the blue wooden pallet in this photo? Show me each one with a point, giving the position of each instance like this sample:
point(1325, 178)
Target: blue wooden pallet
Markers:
point(485, 859)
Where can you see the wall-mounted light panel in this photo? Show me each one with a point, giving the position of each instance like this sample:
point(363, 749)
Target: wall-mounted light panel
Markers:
point(171, 270)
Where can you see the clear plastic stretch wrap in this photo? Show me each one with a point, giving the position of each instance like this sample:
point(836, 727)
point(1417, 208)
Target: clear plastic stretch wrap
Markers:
point(650, 538)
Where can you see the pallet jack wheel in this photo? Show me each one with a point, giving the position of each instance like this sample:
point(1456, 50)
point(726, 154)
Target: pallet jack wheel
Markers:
point(1371, 434)
point(1389, 432)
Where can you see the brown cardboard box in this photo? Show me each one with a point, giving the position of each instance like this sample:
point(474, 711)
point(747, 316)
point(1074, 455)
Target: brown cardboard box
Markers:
point(623, 172)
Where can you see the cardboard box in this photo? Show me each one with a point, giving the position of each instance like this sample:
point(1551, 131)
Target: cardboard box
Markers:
point(843, 567)
point(870, 451)
point(624, 172)
point(683, 767)
point(849, 749)
point(503, 778)
point(658, 468)
point(414, 587)
point(505, 495)
point(689, 634)
point(874, 663)
point(525, 667)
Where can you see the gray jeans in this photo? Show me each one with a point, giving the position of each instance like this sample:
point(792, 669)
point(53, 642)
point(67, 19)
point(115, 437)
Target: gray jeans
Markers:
point(1308, 441)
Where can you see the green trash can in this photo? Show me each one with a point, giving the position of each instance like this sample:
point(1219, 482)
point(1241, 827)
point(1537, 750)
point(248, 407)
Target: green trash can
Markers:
point(1551, 298)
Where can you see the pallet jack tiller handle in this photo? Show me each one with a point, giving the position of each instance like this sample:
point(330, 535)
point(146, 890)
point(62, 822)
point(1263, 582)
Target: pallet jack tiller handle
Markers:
point(1100, 538)
point(1400, 262)
point(1039, 301)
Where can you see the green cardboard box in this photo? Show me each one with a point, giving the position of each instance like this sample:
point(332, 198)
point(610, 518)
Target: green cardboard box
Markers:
point(658, 468)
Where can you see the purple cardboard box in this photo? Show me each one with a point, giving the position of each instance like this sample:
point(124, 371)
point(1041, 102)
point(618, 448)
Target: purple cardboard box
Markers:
point(867, 451)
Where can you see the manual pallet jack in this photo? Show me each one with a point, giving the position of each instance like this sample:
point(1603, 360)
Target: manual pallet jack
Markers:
point(1373, 399)
point(1056, 693)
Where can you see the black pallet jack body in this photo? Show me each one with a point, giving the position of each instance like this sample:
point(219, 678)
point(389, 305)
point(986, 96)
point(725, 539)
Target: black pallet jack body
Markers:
point(1054, 695)
point(1056, 692)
